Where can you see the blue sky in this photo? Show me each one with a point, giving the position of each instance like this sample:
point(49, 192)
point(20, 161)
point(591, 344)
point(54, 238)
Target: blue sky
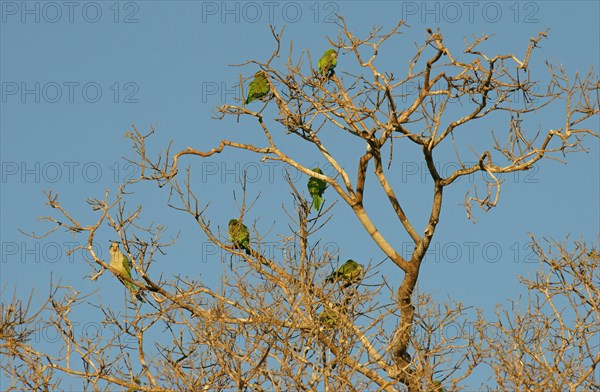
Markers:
point(76, 76)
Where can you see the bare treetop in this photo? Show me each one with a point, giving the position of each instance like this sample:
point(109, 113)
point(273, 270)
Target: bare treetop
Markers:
point(296, 321)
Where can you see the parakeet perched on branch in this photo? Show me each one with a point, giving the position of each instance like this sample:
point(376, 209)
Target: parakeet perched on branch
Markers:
point(328, 317)
point(120, 262)
point(239, 235)
point(350, 272)
point(327, 63)
point(259, 87)
point(316, 188)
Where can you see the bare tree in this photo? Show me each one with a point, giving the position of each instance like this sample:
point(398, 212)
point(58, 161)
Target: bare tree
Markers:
point(275, 323)
point(552, 341)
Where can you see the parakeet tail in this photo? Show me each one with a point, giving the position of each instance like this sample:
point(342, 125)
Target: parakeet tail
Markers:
point(131, 287)
point(317, 200)
point(133, 290)
point(127, 284)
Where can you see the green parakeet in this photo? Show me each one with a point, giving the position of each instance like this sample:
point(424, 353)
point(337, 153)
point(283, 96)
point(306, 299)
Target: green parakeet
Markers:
point(328, 317)
point(327, 63)
point(316, 188)
point(239, 235)
point(438, 386)
point(350, 272)
point(120, 262)
point(259, 87)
